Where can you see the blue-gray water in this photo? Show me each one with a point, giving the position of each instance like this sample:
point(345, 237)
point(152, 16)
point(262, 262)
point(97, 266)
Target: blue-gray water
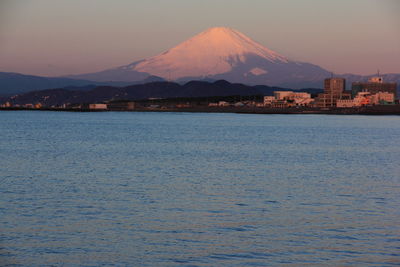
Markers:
point(180, 189)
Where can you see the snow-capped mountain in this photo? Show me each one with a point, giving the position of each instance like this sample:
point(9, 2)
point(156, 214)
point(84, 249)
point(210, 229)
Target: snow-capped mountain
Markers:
point(214, 51)
point(219, 53)
point(215, 54)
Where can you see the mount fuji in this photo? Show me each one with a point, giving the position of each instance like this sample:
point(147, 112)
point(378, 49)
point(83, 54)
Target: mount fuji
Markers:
point(218, 53)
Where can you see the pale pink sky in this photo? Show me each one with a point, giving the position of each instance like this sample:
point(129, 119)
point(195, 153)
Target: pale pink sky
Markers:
point(56, 37)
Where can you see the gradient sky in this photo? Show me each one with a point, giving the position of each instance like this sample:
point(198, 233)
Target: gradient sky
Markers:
point(57, 37)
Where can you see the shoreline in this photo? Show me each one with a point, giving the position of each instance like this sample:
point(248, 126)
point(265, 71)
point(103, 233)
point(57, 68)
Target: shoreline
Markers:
point(369, 110)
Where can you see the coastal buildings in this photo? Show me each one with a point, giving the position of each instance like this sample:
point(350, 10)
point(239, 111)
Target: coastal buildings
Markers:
point(121, 105)
point(366, 99)
point(268, 100)
point(223, 104)
point(6, 105)
point(374, 85)
point(282, 95)
point(334, 89)
point(382, 98)
point(373, 92)
point(98, 106)
point(283, 99)
point(300, 99)
point(334, 96)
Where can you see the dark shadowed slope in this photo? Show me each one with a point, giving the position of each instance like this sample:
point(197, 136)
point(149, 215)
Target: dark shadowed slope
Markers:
point(16, 83)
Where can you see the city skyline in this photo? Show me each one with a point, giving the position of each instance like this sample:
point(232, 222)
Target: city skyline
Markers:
point(59, 38)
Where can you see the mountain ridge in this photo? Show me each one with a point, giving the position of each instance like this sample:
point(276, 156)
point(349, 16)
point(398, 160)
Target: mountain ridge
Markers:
point(12, 83)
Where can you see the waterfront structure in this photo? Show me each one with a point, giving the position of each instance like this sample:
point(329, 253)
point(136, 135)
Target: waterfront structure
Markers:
point(239, 104)
point(334, 89)
point(282, 95)
point(345, 103)
point(268, 100)
point(301, 99)
point(98, 106)
point(121, 105)
point(280, 104)
point(366, 98)
point(374, 85)
point(287, 99)
point(6, 105)
point(183, 105)
point(223, 104)
point(382, 98)
point(361, 99)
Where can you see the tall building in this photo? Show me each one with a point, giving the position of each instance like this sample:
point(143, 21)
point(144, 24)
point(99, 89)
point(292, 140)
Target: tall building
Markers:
point(334, 86)
point(334, 89)
point(374, 85)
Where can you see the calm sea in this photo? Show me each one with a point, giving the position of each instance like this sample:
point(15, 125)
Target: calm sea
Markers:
point(187, 189)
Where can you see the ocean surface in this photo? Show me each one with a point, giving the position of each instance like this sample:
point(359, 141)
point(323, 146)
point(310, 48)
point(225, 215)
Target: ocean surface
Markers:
point(196, 189)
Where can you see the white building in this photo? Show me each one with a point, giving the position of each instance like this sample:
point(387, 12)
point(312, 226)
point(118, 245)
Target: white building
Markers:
point(268, 100)
point(303, 101)
point(223, 104)
point(282, 95)
point(289, 97)
point(366, 98)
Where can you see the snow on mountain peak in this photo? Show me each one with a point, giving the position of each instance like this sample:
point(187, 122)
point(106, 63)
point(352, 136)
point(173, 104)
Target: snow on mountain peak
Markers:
point(214, 51)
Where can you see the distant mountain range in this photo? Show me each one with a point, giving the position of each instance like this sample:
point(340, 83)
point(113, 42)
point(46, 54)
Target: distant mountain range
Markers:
point(54, 97)
point(16, 83)
point(215, 54)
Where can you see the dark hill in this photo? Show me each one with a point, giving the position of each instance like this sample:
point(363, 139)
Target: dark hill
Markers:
point(16, 83)
point(140, 92)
